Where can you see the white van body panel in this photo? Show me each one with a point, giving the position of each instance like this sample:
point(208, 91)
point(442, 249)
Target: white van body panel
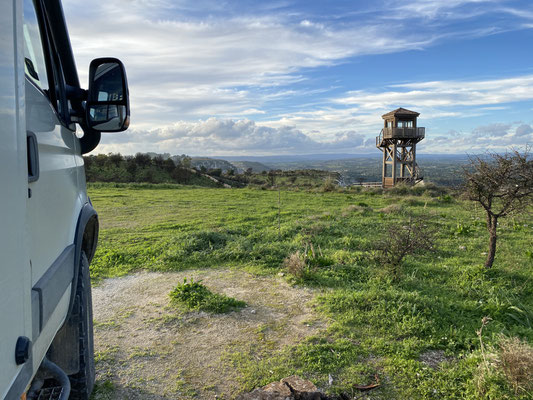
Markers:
point(15, 273)
point(48, 228)
point(38, 219)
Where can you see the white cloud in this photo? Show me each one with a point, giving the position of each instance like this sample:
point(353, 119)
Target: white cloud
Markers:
point(446, 93)
point(491, 137)
point(524, 130)
point(244, 137)
point(362, 110)
point(225, 137)
point(441, 8)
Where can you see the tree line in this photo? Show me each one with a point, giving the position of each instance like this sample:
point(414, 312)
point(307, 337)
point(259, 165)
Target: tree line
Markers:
point(139, 168)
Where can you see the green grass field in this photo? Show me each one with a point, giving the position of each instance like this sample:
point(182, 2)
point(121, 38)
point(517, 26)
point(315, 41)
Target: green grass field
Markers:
point(378, 326)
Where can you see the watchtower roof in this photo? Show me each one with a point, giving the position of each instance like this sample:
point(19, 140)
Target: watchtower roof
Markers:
point(400, 112)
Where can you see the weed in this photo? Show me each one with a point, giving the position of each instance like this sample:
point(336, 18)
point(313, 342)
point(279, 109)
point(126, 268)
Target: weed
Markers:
point(205, 241)
point(196, 296)
point(351, 209)
point(391, 209)
point(521, 315)
point(462, 230)
point(106, 355)
point(446, 199)
point(508, 363)
point(516, 360)
point(103, 390)
point(295, 265)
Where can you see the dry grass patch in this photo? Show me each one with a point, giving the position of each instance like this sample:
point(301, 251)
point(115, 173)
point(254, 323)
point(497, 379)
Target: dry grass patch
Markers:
point(295, 264)
point(510, 361)
point(391, 209)
point(352, 208)
point(516, 361)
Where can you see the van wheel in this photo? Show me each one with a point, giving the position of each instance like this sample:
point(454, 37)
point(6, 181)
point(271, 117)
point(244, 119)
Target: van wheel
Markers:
point(82, 382)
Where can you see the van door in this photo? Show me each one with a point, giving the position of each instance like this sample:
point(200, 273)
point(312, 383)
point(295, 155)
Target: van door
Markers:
point(53, 205)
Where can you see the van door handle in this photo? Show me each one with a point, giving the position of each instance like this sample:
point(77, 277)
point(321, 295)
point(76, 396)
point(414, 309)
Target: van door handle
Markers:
point(33, 156)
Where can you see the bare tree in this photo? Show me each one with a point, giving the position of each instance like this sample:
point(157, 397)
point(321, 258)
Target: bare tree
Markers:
point(502, 184)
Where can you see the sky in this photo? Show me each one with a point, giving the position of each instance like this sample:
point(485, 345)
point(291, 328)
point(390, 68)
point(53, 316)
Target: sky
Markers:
point(216, 77)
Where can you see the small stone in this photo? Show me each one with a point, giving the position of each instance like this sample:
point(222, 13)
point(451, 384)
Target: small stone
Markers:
point(278, 387)
point(252, 311)
point(281, 273)
point(302, 388)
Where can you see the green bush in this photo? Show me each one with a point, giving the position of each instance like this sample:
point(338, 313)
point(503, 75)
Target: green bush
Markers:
point(195, 296)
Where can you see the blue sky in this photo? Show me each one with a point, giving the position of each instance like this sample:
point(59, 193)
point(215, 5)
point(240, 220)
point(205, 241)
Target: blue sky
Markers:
point(299, 77)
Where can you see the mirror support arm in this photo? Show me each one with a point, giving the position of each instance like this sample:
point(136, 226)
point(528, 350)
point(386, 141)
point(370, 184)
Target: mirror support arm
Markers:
point(89, 140)
point(76, 93)
point(91, 137)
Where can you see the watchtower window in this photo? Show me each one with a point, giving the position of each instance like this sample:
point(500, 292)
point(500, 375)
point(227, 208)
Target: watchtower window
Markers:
point(405, 124)
point(389, 124)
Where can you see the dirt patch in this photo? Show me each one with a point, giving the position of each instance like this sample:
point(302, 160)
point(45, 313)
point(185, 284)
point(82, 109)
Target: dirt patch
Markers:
point(148, 350)
point(434, 358)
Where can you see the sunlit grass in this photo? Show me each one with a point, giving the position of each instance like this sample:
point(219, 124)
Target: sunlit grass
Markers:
point(378, 325)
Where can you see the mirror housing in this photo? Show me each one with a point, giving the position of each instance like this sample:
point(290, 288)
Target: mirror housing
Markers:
point(108, 107)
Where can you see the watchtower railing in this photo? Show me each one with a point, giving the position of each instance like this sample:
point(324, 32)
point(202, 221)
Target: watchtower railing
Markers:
point(403, 133)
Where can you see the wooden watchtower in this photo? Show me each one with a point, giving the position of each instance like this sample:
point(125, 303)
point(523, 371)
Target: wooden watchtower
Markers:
point(397, 140)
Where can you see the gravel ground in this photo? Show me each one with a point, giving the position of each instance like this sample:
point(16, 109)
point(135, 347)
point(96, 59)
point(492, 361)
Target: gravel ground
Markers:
point(146, 349)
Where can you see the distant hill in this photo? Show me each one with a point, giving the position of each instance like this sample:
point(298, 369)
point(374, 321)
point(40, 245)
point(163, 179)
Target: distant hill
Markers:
point(291, 157)
point(256, 167)
point(212, 163)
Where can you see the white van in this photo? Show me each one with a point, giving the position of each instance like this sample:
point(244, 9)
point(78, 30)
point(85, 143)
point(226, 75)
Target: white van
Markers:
point(48, 227)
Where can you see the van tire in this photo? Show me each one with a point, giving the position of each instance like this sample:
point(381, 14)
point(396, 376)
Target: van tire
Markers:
point(82, 382)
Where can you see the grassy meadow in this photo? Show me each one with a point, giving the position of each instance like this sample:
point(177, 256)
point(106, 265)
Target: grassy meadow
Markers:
point(417, 333)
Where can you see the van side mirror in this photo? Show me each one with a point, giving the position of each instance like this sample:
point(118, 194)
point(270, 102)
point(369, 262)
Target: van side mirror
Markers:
point(108, 106)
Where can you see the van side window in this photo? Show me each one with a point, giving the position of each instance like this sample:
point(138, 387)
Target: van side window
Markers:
point(35, 66)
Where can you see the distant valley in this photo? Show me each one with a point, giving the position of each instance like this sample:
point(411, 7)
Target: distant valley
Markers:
point(440, 169)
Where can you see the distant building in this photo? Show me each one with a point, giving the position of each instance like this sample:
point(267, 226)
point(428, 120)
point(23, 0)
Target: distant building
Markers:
point(397, 140)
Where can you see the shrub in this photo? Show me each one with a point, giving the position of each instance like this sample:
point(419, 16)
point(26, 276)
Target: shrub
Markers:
point(215, 171)
point(400, 189)
point(432, 190)
point(295, 265)
point(402, 239)
point(516, 361)
point(195, 296)
point(328, 185)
